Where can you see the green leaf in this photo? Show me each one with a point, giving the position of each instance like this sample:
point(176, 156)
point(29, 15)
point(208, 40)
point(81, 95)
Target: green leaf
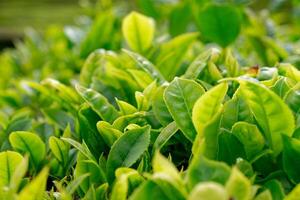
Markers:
point(60, 149)
point(292, 98)
point(137, 118)
point(200, 62)
point(165, 135)
point(205, 109)
point(202, 169)
point(157, 188)
point(269, 110)
point(282, 86)
point(101, 34)
point(99, 103)
point(146, 66)
point(160, 108)
point(27, 142)
point(138, 31)
point(291, 158)
point(162, 165)
point(88, 131)
point(9, 163)
point(126, 108)
point(90, 65)
point(210, 145)
point(265, 195)
point(126, 178)
point(250, 136)
point(108, 133)
point(230, 148)
point(208, 191)
point(289, 71)
point(127, 149)
point(219, 23)
point(80, 147)
point(238, 186)
point(207, 106)
point(294, 194)
point(236, 109)
point(172, 53)
point(276, 189)
point(74, 184)
point(180, 102)
point(180, 18)
point(90, 167)
point(36, 188)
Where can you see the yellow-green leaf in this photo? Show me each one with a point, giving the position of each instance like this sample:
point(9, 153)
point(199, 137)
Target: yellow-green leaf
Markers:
point(138, 31)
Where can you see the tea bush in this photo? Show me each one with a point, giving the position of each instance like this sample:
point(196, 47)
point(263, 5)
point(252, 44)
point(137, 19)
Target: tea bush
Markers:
point(177, 100)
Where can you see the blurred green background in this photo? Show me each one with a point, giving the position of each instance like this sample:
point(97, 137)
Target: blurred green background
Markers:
point(16, 15)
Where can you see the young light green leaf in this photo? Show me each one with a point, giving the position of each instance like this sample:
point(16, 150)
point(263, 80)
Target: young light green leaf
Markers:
point(269, 110)
point(294, 194)
point(208, 191)
point(108, 133)
point(126, 178)
point(127, 149)
point(138, 31)
point(126, 108)
point(36, 188)
point(60, 149)
point(162, 165)
point(27, 142)
point(207, 106)
point(18, 174)
point(202, 169)
point(265, 195)
point(238, 186)
point(9, 163)
point(210, 145)
point(205, 109)
point(180, 102)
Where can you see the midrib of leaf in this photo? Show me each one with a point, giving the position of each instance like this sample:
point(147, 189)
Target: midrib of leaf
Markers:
point(61, 154)
point(137, 33)
point(215, 106)
point(8, 168)
point(130, 150)
point(281, 88)
point(268, 132)
point(27, 147)
point(184, 99)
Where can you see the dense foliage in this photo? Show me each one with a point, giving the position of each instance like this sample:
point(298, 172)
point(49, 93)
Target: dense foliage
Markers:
point(178, 100)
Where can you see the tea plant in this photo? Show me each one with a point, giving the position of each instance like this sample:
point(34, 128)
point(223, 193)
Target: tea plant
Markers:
point(206, 107)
